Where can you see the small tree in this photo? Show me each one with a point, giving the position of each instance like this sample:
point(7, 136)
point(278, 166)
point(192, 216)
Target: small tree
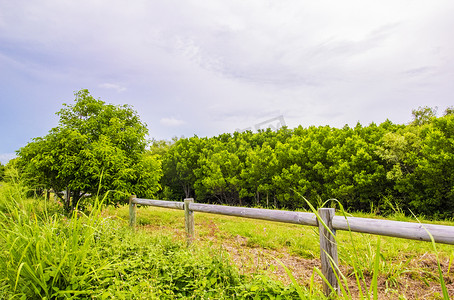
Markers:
point(96, 147)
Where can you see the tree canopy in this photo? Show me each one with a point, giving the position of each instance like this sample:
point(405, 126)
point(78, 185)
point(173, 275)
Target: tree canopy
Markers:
point(99, 147)
point(95, 148)
point(374, 167)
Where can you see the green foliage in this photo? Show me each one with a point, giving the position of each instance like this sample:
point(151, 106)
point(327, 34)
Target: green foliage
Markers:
point(160, 147)
point(365, 167)
point(449, 111)
point(96, 147)
point(423, 115)
point(419, 161)
point(179, 164)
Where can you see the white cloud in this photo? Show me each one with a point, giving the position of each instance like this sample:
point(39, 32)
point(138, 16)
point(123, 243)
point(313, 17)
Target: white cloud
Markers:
point(6, 157)
point(112, 86)
point(227, 64)
point(171, 122)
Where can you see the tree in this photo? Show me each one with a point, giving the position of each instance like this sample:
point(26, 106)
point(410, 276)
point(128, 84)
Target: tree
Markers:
point(364, 167)
point(217, 173)
point(260, 166)
point(423, 115)
point(160, 147)
point(96, 147)
point(431, 185)
point(179, 164)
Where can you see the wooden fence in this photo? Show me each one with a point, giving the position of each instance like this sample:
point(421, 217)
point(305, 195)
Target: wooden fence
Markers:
point(325, 220)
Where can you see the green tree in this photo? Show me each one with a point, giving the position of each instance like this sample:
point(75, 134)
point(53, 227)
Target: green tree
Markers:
point(218, 174)
point(260, 166)
point(96, 147)
point(364, 167)
point(179, 164)
point(431, 184)
point(423, 115)
point(160, 147)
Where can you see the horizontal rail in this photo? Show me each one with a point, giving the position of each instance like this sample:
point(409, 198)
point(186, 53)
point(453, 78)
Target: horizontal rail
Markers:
point(407, 230)
point(159, 203)
point(258, 213)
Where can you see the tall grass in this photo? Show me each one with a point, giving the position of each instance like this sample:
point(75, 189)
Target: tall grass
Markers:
point(45, 254)
point(48, 255)
point(355, 260)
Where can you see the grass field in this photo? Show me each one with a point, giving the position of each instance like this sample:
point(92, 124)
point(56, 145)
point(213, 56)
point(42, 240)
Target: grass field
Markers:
point(407, 268)
point(48, 255)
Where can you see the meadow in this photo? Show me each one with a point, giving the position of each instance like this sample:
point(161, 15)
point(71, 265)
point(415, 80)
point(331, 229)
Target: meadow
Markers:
point(47, 254)
point(406, 269)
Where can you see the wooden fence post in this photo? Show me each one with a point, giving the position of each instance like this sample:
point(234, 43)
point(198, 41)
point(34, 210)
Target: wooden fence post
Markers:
point(132, 212)
point(328, 249)
point(189, 220)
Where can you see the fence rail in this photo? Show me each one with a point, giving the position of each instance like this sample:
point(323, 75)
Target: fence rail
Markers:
point(327, 228)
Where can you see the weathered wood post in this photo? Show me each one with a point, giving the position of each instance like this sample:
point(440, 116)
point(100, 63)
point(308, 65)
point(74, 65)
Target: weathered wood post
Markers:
point(132, 212)
point(328, 249)
point(189, 220)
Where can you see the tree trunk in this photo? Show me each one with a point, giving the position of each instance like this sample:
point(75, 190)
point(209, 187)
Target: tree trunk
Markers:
point(58, 195)
point(186, 189)
point(68, 199)
point(76, 198)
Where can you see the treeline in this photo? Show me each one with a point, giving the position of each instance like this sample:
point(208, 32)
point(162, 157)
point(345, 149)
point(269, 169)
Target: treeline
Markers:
point(101, 149)
point(377, 167)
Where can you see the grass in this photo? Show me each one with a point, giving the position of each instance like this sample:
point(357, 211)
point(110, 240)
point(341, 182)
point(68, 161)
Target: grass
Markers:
point(394, 263)
point(48, 255)
point(273, 235)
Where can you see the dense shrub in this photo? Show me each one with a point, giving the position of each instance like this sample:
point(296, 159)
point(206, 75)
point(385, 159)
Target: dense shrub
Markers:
point(365, 168)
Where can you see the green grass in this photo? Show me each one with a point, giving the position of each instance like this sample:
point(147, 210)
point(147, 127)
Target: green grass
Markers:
point(46, 254)
point(387, 257)
point(298, 239)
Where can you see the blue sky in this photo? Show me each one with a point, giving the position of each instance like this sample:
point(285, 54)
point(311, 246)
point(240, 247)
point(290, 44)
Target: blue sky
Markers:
point(208, 67)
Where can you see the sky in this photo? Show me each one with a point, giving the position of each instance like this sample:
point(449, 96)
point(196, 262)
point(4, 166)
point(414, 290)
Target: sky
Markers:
point(208, 67)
